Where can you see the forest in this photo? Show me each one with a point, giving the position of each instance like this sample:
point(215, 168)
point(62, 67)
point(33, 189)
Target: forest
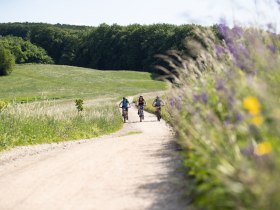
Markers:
point(105, 47)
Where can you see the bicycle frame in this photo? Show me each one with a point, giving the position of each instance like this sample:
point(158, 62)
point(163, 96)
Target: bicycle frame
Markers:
point(141, 112)
point(124, 113)
point(158, 112)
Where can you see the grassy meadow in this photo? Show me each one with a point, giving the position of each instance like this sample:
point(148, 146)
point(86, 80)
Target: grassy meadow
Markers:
point(36, 82)
point(41, 102)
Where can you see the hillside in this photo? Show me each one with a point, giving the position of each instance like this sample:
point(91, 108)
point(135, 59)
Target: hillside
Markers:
point(33, 81)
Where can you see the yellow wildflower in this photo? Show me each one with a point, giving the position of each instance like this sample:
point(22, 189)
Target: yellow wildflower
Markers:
point(257, 120)
point(263, 149)
point(252, 104)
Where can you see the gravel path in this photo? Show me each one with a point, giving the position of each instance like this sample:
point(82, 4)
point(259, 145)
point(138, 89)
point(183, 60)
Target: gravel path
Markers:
point(133, 169)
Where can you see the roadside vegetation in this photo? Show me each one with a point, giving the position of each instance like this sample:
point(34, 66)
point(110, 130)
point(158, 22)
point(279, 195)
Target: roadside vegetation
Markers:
point(54, 121)
point(49, 103)
point(225, 109)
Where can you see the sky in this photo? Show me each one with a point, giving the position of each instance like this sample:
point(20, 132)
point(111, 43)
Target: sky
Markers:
point(125, 12)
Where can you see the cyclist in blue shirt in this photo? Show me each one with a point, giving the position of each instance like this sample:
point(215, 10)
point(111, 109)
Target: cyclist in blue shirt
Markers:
point(124, 104)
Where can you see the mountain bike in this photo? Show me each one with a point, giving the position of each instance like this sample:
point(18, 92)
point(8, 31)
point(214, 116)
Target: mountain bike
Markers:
point(158, 112)
point(124, 114)
point(141, 112)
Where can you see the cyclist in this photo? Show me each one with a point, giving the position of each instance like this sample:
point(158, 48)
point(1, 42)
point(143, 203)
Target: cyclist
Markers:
point(124, 104)
point(158, 102)
point(140, 103)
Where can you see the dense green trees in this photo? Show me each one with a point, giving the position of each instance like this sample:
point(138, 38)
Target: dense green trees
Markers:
point(60, 41)
point(25, 51)
point(130, 47)
point(104, 47)
point(7, 61)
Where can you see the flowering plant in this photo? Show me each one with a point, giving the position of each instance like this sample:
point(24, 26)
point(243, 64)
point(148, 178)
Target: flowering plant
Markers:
point(226, 115)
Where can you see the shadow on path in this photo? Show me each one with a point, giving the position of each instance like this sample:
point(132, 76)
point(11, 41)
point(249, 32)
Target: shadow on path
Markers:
point(169, 187)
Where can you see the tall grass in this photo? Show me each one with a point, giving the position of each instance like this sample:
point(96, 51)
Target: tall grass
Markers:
point(53, 121)
point(227, 117)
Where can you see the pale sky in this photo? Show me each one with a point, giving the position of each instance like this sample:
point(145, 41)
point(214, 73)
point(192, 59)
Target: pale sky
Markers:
point(124, 12)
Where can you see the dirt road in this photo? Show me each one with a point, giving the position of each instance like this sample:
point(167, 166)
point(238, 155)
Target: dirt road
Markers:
point(133, 169)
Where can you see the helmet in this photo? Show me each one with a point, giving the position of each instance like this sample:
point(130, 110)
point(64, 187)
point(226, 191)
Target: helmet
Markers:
point(157, 97)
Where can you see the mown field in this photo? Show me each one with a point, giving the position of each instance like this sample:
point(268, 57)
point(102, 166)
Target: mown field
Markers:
point(41, 102)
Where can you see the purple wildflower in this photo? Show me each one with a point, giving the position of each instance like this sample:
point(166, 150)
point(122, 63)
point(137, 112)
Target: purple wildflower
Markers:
point(237, 31)
point(220, 85)
point(233, 50)
point(172, 102)
point(200, 98)
point(196, 98)
point(242, 50)
point(272, 48)
point(204, 98)
point(227, 120)
point(220, 51)
point(238, 117)
point(224, 30)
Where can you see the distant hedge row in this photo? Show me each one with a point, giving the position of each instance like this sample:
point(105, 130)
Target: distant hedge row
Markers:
point(104, 47)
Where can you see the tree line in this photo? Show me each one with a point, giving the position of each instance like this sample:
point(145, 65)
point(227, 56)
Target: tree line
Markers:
point(106, 47)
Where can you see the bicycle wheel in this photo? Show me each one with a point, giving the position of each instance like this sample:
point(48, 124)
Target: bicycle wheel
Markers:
point(141, 115)
point(124, 116)
point(158, 117)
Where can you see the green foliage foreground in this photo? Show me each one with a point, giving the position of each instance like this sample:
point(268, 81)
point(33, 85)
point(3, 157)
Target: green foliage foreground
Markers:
point(49, 121)
point(227, 118)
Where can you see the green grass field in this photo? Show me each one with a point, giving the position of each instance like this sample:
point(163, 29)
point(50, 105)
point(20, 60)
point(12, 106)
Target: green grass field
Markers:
point(44, 120)
point(33, 81)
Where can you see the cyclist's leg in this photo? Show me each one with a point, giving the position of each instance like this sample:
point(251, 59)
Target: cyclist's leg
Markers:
point(139, 109)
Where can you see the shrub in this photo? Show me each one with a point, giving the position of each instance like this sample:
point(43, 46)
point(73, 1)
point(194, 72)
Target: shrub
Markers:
point(79, 105)
point(7, 62)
